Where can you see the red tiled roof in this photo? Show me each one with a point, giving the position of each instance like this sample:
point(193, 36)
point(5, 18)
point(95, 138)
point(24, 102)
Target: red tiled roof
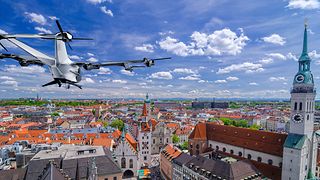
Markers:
point(262, 141)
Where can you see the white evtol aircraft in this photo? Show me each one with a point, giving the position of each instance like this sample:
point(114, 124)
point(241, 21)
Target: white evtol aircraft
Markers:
point(63, 70)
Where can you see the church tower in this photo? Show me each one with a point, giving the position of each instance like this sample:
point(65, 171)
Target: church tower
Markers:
point(300, 147)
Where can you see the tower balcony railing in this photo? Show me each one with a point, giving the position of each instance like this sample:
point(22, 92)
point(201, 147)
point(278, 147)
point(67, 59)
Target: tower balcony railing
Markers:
point(303, 90)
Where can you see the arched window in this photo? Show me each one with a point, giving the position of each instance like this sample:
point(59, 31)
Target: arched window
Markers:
point(231, 151)
point(300, 106)
point(197, 146)
point(217, 147)
point(123, 162)
point(259, 159)
point(295, 106)
point(240, 154)
point(249, 156)
point(270, 162)
point(224, 149)
point(210, 145)
point(308, 117)
point(131, 163)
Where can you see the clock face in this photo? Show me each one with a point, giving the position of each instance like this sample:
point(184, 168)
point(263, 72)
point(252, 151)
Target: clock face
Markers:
point(297, 118)
point(300, 78)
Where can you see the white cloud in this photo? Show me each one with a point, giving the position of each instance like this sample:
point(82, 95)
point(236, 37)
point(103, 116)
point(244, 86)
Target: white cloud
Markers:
point(128, 73)
point(253, 84)
point(275, 79)
point(162, 75)
point(248, 67)
point(314, 55)
point(53, 18)
point(104, 70)
point(292, 56)
point(183, 71)
point(92, 59)
point(10, 82)
point(119, 81)
point(106, 11)
point(38, 18)
point(274, 39)
point(266, 61)
point(98, 1)
point(43, 30)
point(6, 78)
point(145, 48)
point(277, 56)
point(75, 57)
point(26, 70)
point(88, 80)
point(220, 81)
point(219, 42)
point(90, 54)
point(191, 78)
point(232, 78)
point(304, 4)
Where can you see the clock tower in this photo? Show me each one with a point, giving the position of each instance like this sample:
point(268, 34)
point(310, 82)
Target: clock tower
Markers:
point(300, 147)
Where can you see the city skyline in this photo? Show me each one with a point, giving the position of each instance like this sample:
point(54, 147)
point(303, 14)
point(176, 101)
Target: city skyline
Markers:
point(247, 53)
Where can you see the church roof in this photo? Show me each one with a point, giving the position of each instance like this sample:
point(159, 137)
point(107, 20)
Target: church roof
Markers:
point(262, 141)
point(295, 141)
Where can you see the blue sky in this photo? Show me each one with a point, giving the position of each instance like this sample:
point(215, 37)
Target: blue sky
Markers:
point(219, 48)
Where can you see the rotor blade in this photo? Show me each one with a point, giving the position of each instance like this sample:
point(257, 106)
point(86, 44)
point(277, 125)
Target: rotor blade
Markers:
point(59, 26)
point(69, 45)
point(3, 47)
point(81, 38)
point(161, 58)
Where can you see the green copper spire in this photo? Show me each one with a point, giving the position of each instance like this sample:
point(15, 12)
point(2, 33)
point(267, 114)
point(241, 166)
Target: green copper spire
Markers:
point(304, 75)
point(147, 100)
point(305, 40)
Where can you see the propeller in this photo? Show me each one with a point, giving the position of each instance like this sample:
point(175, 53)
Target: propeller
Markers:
point(67, 37)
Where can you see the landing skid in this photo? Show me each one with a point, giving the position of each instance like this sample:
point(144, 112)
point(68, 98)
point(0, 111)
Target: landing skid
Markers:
point(59, 82)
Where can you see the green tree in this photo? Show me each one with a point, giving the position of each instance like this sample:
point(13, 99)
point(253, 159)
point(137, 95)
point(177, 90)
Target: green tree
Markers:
point(184, 145)
point(118, 123)
point(175, 139)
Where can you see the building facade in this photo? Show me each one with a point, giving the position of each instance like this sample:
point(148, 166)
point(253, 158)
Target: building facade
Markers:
point(300, 148)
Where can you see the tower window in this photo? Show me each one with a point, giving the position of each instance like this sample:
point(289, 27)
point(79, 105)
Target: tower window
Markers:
point(300, 106)
point(259, 159)
point(270, 162)
point(249, 156)
point(308, 117)
point(295, 106)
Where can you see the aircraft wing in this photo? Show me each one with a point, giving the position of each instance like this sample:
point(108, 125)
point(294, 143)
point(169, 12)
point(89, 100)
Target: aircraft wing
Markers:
point(45, 59)
point(126, 64)
point(23, 61)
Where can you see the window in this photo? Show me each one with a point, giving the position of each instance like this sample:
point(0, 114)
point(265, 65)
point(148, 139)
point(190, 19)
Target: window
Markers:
point(123, 162)
point(224, 149)
point(240, 154)
point(300, 106)
point(249, 156)
point(270, 162)
point(217, 147)
point(114, 178)
point(210, 145)
point(167, 140)
point(259, 159)
point(197, 146)
point(154, 141)
point(131, 163)
point(145, 158)
point(295, 106)
point(231, 151)
point(280, 164)
point(308, 117)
